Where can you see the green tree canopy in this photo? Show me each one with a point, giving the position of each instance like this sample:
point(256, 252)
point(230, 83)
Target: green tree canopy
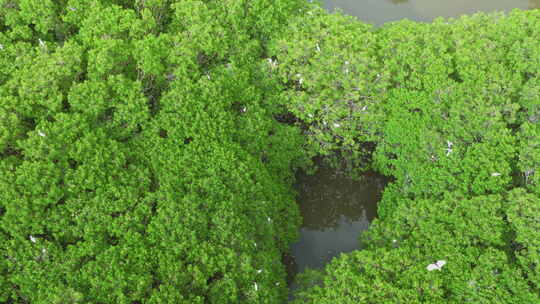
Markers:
point(148, 151)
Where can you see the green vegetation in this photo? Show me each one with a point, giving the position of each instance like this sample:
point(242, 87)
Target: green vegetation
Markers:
point(148, 151)
point(453, 110)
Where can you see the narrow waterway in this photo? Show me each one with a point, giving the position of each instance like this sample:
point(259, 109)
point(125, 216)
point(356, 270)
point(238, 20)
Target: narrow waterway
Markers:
point(380, 11)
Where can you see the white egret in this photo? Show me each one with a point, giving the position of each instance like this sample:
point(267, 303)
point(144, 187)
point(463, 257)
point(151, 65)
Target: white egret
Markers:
point(256, 286)
point(41, 134)
point(495, 174)
point(32, 239)
point(449, 147)
point(300, 80)
point(273, 63)
point(438, 265)
point(43, 255)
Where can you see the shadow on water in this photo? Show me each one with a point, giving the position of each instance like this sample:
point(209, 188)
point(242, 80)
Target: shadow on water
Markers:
point(335, 210)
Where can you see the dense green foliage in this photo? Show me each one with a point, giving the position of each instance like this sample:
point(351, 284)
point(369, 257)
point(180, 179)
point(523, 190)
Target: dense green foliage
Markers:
point(148, 150)
point(453, 112)
point(141, 160)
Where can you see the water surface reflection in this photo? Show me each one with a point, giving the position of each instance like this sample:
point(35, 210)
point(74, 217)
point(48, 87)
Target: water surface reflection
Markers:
point(381, 11)
point(335, 210)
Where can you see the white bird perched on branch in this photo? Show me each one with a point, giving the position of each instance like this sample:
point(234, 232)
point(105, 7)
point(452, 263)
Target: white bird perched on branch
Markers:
point(449, 147)
point(41, 134)
point(438, 265)
point(273, 63)
point(300, 80)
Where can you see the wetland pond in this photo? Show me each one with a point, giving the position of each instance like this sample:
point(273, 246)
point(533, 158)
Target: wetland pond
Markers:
point(336, 209)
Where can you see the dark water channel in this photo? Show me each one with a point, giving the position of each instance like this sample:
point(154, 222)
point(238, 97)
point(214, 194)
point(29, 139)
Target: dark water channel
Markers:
point(335, 210)
point(380, 11)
